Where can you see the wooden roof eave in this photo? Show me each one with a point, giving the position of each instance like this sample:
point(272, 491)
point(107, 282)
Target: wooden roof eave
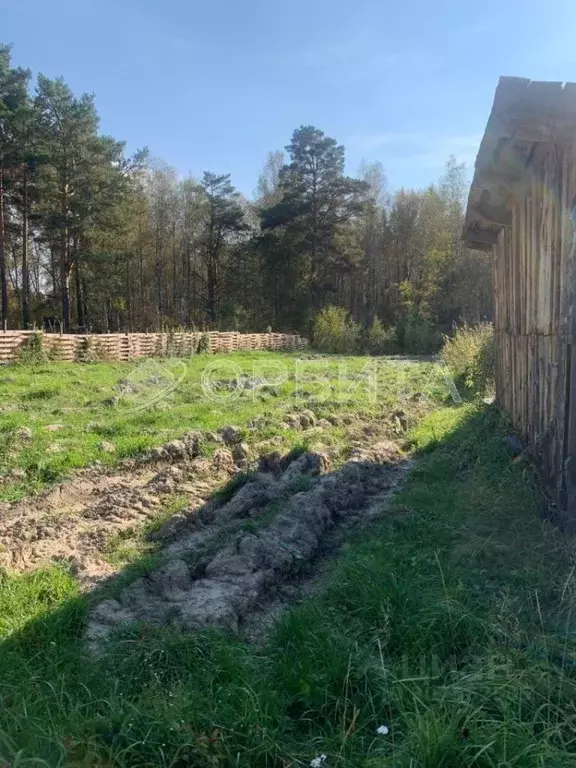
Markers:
point(524, 115)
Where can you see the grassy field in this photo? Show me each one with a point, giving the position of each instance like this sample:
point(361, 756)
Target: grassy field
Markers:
point(70, 412)
point(448, 622)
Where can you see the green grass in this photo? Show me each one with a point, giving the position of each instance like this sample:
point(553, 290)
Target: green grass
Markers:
point(450, 621)
point(92, 405)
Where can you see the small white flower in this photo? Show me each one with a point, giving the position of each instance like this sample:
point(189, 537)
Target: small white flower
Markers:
point(317, 761)
point(382, 730)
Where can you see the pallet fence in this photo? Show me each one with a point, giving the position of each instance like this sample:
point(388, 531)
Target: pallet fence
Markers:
point(128, 346)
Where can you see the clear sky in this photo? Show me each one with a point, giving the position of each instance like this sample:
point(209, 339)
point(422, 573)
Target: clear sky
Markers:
point(216, 84)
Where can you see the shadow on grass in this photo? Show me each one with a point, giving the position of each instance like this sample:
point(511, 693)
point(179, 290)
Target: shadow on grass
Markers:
point(449, 621)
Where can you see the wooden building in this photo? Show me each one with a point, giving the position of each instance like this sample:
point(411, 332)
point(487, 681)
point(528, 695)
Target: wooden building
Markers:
point(522, 209)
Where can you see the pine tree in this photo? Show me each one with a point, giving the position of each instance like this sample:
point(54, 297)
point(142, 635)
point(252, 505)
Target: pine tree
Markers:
point(68, 128)
point(25, 191)
point(317, 201)
point(13, 98)
point(222, 224)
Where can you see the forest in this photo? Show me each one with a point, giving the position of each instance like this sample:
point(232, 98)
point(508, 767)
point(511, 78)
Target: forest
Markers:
point(92, 238)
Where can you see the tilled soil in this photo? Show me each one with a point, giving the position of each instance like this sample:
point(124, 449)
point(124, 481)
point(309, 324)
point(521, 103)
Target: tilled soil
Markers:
point(231, 560)
point(225, 561)
point(74, 522)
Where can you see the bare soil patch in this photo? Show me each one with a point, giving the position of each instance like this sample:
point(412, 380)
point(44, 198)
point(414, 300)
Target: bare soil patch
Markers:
point(249, 536)
point(73, 522)
point(226, 563)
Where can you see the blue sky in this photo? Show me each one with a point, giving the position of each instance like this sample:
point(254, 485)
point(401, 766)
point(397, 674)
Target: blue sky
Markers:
point(216, 85)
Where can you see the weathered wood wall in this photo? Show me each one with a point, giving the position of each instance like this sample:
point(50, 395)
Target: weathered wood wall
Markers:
point(522, 209)
point(127, 346)
point(535, 294)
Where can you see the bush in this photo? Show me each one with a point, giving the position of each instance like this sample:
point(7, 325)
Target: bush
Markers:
point(171, 346)
point(471, 356)
point(159, 349)
point(416, 334)
point(31, 351)
point(378, 340)
point(334, 331)
point(86, 351)
point(54, 352)
point(99, 351)
point(203, 345)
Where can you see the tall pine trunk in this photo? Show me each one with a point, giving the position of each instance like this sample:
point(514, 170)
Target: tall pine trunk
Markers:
point(75, 258)
point(79, 298)
point(3, 282)
point(211, 272)
point(159, 276)
point(140, 311)
point(64, 271)
point(128, 292)
point(175, 291)
point(54, 268)
point(85, 315)
point(25, 274)
point(64, 286)
point(211, 287)
point(188, 285)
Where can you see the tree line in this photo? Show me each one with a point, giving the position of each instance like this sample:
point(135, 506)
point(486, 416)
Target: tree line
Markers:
point(92, 238)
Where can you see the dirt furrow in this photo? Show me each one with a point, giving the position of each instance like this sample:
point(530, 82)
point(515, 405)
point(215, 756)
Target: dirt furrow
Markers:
point(225, 562)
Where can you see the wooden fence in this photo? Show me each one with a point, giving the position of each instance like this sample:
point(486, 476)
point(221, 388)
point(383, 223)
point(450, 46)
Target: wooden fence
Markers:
point(522, 209)
point(127, 346)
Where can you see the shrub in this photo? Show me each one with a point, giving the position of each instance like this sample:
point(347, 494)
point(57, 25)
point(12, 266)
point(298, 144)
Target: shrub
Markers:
point(100, 351)
point(188, 345)
point(31, 351)
point(334, 331)
point(471, 356)
point(159, 349)
point(379, 340)
point(203, 344)
point(171, 345)
point(416, 334)
point(54, 351)
point(86, 351)
point(178, 343)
